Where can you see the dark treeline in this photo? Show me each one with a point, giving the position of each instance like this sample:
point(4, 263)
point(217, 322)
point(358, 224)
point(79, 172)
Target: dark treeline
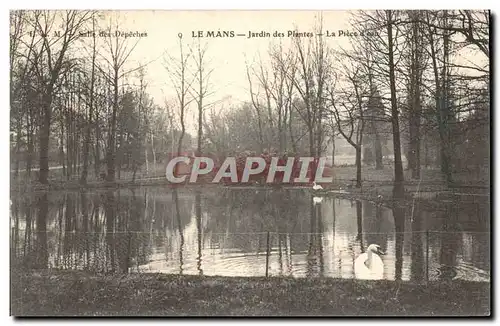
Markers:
point(78, 104)
point(402, 88)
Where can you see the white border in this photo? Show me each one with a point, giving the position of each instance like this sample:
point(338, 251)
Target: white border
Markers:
point(191, 5)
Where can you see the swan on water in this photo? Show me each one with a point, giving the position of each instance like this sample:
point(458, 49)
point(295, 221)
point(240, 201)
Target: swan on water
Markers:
point(316, 186)
point(369, 265)
point(317, 200)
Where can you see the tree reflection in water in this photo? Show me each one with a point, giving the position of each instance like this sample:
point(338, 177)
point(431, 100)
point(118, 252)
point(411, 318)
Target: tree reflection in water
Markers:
point(41, 251)
point(223, 232)
point(399, 227)
point(199, 229)
point(175, 197)
point(418, 263)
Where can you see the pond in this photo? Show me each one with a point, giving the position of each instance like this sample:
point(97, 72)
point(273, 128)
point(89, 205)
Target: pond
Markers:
point(244, 232)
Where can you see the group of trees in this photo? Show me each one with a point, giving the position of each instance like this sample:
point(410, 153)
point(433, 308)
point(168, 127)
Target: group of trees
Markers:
point(78, 102)
point(416, 82)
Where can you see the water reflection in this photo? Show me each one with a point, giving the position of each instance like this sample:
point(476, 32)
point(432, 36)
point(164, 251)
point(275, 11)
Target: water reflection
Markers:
point(198, 228)
point(41, 250)
point(418, 269)
point(224, 232)
point(399, 221)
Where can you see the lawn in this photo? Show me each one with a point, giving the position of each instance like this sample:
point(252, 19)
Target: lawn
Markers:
point(74, 293)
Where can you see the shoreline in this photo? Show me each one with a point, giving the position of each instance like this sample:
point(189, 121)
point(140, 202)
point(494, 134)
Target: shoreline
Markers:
point(79, 293)
point(378, 192)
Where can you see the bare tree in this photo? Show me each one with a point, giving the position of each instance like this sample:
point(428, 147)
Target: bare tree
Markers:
point(53, 63)
point(201, 91)
point(441, 81)
point(274, 78)
point(385, 47)
point(348, 110)
point(311, 82)
point(283, 87)
point(416, 61)
point(117, 52)
point(257, 106)
point(182, 81)
point(91, 104)
point(398, 191)
point(20, 55)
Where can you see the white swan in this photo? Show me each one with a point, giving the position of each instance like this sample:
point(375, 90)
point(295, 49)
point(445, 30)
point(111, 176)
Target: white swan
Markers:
point(369, 265)
point(316, 186)
point(317, 200)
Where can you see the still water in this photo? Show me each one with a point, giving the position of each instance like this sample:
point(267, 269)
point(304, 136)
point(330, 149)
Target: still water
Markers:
point(243, 232)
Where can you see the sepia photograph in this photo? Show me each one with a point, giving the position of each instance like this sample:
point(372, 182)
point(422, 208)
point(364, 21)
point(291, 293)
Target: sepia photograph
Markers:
point(179, 163)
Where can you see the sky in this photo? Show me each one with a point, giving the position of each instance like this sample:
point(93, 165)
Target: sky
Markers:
point(226, 57)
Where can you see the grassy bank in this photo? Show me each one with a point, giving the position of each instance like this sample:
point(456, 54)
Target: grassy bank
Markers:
point(64, 293)
point(344, 176)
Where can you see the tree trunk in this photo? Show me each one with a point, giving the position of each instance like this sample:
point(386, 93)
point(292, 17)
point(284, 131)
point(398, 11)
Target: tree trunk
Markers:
point(358, 167)
point(292, 139)
point(319, 135)
point(111, 150)
point(200, 119)
point(154, 151)
point(444, 113)
point(379, 165)
point(333, 151)
point(121, 154)
point(86, 147)
point(426, 153)
point(97, 150)
point(181, 136)
point(440, 102)
point(414, 149)
point(62, 157)
point(312, 152)
point(416, 108)
point(281, 142)
point(18, 147)
point(29, 154)
point(76, 148)
point(69, 144)
point(44, 138)
point(146, 158)
point(259, 122)
point(398, 190)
